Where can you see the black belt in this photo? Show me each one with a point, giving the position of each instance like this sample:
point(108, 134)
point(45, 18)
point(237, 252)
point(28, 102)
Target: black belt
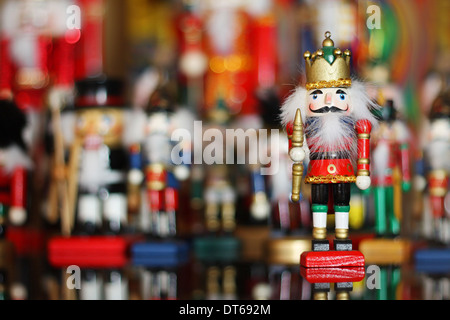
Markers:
point(328, 155)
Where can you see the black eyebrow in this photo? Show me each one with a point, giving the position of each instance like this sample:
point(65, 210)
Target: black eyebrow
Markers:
point(316, 92)
point(341, 92)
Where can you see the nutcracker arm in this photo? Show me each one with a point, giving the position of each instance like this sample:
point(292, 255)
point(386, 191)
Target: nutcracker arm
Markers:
point(6, 70)
point(17, 214)
point(405, 166)
point(135, 175)
point(363, 130)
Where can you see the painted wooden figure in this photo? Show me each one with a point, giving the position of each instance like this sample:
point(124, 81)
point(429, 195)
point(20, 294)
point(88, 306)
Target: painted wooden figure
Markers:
point(437, 152)
point(391, 170)
point(98, 160)
point(36, 50)
point(154, 161)
point(337, 125)
point(15, 165)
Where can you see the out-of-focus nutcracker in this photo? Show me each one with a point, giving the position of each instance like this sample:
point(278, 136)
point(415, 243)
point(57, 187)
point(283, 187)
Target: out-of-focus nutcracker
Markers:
point(98, 161)
point(391, 170)
point(193, 61)
point(337, 125)
point(37, 50)
point(15, 165)
point(153, 161)
point(437, 152)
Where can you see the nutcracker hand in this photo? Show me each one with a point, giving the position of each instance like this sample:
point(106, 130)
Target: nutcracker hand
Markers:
point(419, 183)
point(297, 154)
point(181, 172)
point(135, 177)
point(17, 216)
point(363, 182)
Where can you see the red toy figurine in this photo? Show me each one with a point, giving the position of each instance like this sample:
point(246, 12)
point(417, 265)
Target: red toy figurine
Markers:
point(338, 122)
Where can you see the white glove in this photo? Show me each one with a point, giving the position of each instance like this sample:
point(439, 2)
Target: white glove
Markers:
point(135, 176)
point(363, 182)
point(181, 172)
point(260, 209)
point(297, 154)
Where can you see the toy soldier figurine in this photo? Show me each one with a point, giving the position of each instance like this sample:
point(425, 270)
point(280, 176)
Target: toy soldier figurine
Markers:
point(338, 122)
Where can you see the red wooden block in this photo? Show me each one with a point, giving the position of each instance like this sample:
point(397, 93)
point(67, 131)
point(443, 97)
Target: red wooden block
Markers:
point(333, 275)
point(89, 252)
point(324, 259)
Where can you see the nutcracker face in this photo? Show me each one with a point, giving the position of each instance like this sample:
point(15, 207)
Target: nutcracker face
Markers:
point(100, 126)
point(328, 100)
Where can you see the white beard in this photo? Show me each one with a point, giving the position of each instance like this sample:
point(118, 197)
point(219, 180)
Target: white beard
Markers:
point(332, 132)
point(222, 30)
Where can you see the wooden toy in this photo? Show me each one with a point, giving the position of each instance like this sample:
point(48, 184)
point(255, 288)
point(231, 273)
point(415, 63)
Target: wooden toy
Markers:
point(332, 114)
point(342, 278)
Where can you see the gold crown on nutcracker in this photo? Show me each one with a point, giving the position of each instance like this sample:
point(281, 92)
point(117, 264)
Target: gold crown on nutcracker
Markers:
point(328, 67)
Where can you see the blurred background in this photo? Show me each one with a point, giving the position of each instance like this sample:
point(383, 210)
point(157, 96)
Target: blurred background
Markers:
point(92, 91)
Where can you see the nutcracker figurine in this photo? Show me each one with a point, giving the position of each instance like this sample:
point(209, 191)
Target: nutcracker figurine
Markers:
point(151, 156)
point(98, 160)
point(391, 170)
point(338, 122)
point(15, 165)
point(437, 152)
point(36, 50)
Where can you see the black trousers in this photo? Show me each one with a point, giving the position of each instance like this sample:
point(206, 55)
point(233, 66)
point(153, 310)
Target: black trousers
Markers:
point(320, 193)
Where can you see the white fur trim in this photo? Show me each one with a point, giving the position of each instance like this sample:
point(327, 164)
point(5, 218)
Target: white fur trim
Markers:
point(296, 100)
point(144, 87)
point(361, 104)
point(401, 130)
point(183, 119)
point(13, 157)
point(134, 127)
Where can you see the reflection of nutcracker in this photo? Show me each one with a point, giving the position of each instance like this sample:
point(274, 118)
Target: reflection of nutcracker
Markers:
point(220, 200)
point(98, 160)
point(14, 165)
point(337, 129)
point(219, 195)
point(437, 153)
point(390, 170)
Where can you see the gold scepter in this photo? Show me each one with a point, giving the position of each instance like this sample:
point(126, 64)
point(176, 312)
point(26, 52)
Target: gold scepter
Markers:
point(297, 168)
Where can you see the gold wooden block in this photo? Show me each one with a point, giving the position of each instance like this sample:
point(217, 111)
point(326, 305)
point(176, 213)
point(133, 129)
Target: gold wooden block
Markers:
point(287, 251)
point(253, 241)
point(385, 251)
